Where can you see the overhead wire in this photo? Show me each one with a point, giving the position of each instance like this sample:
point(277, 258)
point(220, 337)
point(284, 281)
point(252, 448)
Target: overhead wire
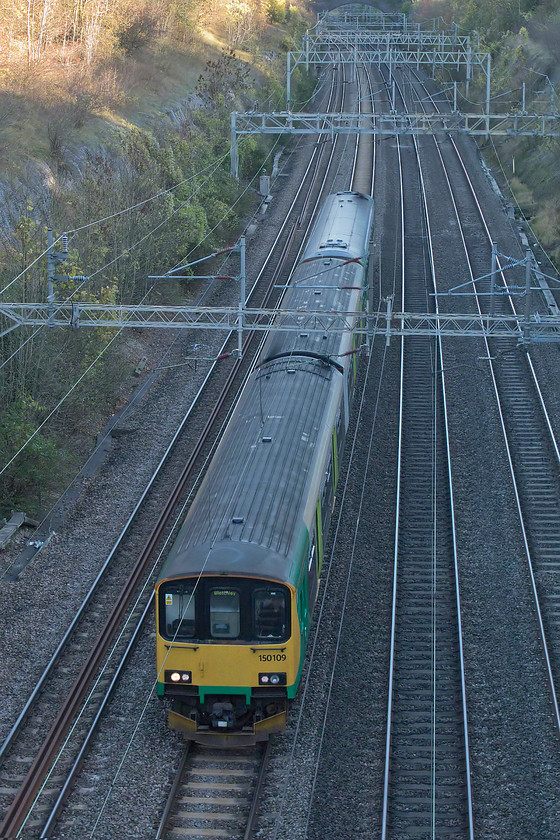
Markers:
point(101, 673)
point(322, 607)
point(239, 479)
point(518, 206)
point(115, 259)
point(27, 267)
point(311, 657)
point(141, 203)
point(364, 490)
point(81, 285)
point(73, 231)
point(150, 693)
point(230, 209)
point(275, 144)
point(59, 403)
point(179, 207)
point(179, 516)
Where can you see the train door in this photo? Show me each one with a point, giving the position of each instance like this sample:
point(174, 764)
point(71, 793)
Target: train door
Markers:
point(304, 611)
point(324, 509)
point(346, 396)
point(319, 532)
point(312, 571)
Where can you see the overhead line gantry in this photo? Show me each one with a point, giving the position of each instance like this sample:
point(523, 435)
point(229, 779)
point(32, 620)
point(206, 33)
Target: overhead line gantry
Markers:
point(374, 39)
point(390, 40)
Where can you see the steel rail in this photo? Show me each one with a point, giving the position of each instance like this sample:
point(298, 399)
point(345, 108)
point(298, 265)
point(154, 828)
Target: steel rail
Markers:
point(255, 774)
point(388, 733)
point(282, 806)
point(19, 809)
point(74, 770)
point(450, 499)
point(24, 799)
point(175, 787)
point(267, 747)
point(519, 505)
point(452, 506)
point(528, 553)
point(265, 760)
point(29, 703)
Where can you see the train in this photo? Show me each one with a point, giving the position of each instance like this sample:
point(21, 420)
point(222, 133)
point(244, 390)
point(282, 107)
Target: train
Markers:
point(235, 597)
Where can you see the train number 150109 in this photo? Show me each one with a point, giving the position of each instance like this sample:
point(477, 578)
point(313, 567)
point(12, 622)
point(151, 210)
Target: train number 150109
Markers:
point(272, 657)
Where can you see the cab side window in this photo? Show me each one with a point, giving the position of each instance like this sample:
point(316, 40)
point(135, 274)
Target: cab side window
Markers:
point(269, 613)
point(178, 611)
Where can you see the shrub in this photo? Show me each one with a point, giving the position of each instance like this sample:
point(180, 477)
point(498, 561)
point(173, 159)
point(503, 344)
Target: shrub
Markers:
point(136, 33)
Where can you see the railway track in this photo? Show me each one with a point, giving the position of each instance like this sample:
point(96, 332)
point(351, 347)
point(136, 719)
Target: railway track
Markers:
point(24, 770)
point(532, 450)
point(190, 821)
point(429, 765)
point(427, 778)
point(215, 794)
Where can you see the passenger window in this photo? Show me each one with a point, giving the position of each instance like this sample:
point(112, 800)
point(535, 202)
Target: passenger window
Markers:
point(224, 614)
point(269, 613)
point(179, 611)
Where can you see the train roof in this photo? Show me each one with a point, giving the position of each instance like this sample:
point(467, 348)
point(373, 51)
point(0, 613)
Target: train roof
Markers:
point(248, 516)
point(342, 228)
point(251, 514)
point(324, 286)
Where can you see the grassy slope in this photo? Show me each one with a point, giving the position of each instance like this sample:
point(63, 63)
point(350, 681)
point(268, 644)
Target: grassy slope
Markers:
point(38, 105)
point(50, 119)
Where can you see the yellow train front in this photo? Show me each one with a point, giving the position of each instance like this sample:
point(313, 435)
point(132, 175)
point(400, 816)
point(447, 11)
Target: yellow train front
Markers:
point(233, 687)
point(235, 596)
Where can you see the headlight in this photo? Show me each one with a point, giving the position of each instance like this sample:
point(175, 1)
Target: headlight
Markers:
point(272, 679)
point(178, 676)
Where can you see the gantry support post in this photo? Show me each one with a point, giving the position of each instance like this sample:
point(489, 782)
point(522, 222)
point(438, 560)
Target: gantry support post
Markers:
point(234, 149)
point(54, 259)
point(50, 274)
point(528, 267)
point(388, 323)
point(242, 296)
point(493, 279)
point(488, 95)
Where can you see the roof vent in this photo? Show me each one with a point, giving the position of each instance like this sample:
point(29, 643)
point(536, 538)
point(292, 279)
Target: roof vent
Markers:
point(238, 520)
point(267, 439)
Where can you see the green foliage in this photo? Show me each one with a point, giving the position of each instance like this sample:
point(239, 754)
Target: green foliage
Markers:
point(303, 86)
point(223, 77)
point(38, 469)
point(524, 38)
point(185, 15)
point(252, 154)
point(175, 178)
point(277, 11)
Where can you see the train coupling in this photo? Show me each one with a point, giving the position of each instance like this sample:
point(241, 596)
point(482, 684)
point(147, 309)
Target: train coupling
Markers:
point(222, 716)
